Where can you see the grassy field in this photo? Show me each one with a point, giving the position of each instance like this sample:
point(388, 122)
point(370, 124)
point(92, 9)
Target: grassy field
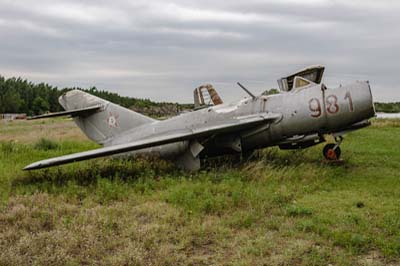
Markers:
point(284, 208)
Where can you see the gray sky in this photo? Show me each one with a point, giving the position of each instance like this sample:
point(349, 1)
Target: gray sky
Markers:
point(162, 50)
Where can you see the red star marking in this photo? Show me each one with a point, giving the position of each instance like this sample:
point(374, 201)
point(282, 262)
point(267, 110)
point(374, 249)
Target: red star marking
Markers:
point(112, 120)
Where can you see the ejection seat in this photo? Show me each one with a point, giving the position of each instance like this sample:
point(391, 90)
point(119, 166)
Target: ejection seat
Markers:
point(205, 96)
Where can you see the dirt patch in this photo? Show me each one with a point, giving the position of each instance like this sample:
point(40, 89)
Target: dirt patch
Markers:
point(25, 131)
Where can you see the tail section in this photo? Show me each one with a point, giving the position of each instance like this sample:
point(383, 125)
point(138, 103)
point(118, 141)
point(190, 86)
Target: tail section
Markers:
point(109, 121)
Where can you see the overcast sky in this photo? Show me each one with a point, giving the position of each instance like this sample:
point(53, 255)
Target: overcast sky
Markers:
point(162, 49)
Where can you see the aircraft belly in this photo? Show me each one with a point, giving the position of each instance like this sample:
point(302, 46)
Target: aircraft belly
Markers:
point(167, 151)
point(259, 140)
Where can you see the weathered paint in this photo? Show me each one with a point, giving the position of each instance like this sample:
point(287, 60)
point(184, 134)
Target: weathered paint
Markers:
point(296, 117)
point(199, 99)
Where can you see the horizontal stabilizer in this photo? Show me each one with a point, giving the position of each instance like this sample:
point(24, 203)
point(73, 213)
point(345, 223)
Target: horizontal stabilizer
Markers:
point(76, 112)
point(233, 125)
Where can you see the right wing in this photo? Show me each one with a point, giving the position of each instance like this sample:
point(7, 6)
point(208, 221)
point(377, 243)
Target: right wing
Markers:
point(236, 124)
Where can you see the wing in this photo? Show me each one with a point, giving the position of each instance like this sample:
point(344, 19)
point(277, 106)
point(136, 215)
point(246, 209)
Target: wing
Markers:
point(233, 125)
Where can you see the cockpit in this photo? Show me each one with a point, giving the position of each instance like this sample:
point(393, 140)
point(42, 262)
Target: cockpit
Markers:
point(206, 95)
point(302, 79)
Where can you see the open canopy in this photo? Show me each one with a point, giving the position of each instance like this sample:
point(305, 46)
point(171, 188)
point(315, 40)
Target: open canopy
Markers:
point(311, 73)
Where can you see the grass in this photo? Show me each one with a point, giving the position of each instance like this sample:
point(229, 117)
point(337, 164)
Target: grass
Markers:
point(282, 208)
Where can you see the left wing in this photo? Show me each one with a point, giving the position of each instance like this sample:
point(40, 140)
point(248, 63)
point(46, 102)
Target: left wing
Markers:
point(237, 124)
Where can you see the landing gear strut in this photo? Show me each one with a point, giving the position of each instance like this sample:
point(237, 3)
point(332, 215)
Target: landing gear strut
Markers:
point(332, 151)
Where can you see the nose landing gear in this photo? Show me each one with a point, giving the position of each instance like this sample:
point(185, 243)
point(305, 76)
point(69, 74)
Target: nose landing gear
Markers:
point(332, 151)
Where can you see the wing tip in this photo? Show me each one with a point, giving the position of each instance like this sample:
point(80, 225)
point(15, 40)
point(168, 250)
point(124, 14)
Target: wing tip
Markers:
point(32, 166)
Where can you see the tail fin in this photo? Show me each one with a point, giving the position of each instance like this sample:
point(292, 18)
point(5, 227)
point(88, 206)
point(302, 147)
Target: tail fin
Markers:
point(109, 121)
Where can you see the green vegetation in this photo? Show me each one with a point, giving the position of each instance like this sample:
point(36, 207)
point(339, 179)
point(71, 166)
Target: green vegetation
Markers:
point(271, 91)
point(21, 96)
point(282, 208)
point(46, 144)
point(388, 107)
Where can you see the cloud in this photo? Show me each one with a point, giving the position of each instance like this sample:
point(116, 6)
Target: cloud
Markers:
point(164, 49)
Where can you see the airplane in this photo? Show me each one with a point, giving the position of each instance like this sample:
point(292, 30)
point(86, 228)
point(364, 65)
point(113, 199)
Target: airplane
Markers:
point(300, 116)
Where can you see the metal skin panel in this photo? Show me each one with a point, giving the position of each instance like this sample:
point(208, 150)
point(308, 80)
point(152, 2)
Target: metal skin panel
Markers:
point(295, 108)
point(297, 116)
point(315, 110)
point(353, 103)
point(104, 125)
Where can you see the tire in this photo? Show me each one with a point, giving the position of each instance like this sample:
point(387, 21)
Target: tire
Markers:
point(331, 154)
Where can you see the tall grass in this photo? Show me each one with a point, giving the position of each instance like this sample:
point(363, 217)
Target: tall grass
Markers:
point(46, 144)
point(279, 208)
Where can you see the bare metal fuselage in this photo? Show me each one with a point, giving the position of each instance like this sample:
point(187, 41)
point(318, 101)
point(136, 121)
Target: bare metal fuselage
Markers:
point(296, 118)
point(305, 115)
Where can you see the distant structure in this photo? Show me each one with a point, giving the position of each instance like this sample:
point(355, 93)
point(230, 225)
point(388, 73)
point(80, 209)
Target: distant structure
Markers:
point(13, 116)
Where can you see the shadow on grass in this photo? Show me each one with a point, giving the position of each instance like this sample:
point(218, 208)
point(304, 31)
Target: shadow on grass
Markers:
point(150, 169)
point(276, 158)
point(86, 174)
point(273, 157)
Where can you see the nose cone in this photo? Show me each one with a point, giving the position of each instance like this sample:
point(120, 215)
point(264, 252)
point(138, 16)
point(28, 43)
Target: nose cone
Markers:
point(348, 105)
point(365, 103)
point(358, 98)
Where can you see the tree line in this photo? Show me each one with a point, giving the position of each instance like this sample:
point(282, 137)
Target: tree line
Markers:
point(19, 95)
point(388, 107)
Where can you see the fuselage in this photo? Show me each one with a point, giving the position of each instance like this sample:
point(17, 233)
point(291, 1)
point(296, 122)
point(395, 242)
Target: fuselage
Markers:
point(313, 110)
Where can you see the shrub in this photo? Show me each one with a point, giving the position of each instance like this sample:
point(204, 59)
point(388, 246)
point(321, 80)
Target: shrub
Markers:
point(294, 210)
point(46, 144)
point(7, 147)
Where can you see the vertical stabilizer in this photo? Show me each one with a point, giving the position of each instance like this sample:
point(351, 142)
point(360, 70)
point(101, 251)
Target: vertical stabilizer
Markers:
point(108, 122)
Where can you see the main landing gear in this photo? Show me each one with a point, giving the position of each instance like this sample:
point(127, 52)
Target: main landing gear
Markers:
point(332, 151)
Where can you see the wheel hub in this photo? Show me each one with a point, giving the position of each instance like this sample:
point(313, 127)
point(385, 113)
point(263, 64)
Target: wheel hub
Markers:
point(331, 154)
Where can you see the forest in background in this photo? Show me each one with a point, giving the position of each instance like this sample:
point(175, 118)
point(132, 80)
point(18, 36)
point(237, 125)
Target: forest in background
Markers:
point(388, 107)
point(19, 95)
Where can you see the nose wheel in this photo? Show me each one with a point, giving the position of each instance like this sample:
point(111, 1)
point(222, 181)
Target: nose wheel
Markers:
point(332, 151)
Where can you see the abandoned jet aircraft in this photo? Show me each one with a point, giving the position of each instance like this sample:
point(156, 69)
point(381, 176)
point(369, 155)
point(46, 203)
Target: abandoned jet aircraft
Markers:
point(299, 117)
